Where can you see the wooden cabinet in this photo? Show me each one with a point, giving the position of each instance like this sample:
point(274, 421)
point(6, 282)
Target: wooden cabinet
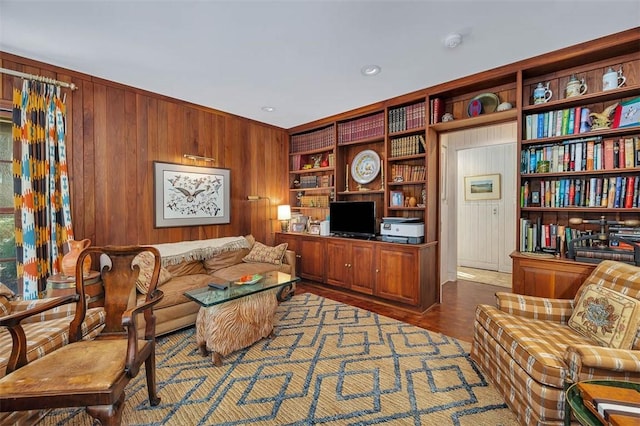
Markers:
point(554, 278)
point(309, 254)
point(405, 274)
point(397, 271)
point(349, 264)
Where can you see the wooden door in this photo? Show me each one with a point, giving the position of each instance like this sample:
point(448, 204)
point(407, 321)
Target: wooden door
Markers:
point(312, 258)
point(397, 274)
point(362, 259)
point(338, 263)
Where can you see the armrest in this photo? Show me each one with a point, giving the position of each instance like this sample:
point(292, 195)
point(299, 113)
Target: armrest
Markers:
point(130, 323)
point(586, 361)
point(290, 259)
point(66, 310)
point(18, 356)
point(540, 308)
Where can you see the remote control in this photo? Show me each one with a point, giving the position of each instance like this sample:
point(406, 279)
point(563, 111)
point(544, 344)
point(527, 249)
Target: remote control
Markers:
point(218, 286)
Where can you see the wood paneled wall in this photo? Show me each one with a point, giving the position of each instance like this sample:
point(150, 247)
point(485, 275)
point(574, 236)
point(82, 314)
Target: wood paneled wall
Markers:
point(116, 132)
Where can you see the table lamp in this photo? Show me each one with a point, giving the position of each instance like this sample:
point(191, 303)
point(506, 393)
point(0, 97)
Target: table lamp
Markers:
point(284, 215)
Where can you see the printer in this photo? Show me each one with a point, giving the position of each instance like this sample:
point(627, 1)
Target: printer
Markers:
point(405, 230)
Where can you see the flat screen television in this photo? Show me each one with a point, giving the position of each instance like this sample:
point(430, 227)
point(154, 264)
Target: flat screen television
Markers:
point(355, 219)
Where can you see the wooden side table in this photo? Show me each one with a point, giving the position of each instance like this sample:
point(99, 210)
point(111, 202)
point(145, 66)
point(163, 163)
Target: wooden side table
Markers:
point(63, 285)
point(575, 405)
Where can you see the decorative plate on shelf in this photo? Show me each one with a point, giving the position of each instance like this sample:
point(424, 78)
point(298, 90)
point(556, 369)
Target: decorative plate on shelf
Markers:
point(366, 166)
point(489, 103)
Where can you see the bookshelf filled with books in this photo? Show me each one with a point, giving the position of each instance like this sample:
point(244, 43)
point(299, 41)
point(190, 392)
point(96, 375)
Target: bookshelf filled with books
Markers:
point(579, 169)
point(406, 180)
point(312, 170)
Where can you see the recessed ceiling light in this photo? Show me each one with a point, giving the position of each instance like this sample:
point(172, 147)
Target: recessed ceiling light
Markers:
point(369, 70)
point(268, 108)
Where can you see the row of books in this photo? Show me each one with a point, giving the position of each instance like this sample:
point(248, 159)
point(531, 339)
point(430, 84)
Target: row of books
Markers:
point(408, 172)
point(361, 128)
point(569, 121)
point(607, 192)
point(407, 117)
point(584, 154)
point(324, 181)
point(317, 139)
point(551, 237)
point(436, 106)
point(408, 145)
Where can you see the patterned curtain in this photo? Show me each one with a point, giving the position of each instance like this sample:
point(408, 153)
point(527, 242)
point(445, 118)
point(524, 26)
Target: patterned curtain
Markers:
point(41, 184)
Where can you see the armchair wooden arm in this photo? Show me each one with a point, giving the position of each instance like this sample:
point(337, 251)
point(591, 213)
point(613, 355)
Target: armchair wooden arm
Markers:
point(18, 357)
point(134, 357)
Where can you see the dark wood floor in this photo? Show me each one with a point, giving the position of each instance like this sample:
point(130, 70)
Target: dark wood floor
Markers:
point(453, 317)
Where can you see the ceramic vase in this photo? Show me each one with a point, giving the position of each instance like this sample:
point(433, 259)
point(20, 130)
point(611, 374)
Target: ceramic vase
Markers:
point(70, 259)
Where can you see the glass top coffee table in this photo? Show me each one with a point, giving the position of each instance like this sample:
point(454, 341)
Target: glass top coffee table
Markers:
point(239, 315)
point(209, 296)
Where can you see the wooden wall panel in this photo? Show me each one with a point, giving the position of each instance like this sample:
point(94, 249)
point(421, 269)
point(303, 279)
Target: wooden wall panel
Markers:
point(116, 132)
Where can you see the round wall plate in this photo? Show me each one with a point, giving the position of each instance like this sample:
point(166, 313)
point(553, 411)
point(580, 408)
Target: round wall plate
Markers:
point(365, 166)
point(489, 103)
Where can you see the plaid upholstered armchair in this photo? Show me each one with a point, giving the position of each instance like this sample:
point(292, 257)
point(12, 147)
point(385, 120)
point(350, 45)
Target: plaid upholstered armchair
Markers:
point(530, 347)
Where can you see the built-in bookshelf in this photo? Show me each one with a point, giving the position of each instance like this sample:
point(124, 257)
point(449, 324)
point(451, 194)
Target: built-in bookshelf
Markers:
point(579, 169)
point(312, 160)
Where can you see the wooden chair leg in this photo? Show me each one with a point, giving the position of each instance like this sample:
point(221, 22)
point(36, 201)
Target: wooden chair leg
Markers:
point(108, 415)
point(150, 368)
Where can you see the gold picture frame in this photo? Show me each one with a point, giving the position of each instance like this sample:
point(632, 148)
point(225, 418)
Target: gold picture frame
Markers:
point(482, 187)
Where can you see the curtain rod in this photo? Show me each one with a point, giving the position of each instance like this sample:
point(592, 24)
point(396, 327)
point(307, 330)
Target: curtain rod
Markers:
point(38, 78)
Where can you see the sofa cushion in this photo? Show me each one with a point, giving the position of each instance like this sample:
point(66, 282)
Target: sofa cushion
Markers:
point(145, 262)
point(188, 267)
point(261, 253)
point(224, 260)
point(47, 336)
point(607, 317)
point(175, 288)
point(536, 346)
point(232, 273)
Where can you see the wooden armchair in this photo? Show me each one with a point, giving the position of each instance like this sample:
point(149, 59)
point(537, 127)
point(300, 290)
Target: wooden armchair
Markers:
point(90, 373)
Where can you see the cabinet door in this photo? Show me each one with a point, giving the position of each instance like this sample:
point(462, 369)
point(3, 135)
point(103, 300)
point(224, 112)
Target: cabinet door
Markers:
point(397, 274)
point(312, 258)
point(548, 278)
point(338, 263)
point(362, 278)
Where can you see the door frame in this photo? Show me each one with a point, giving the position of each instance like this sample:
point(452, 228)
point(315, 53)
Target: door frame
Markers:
point(450, 143)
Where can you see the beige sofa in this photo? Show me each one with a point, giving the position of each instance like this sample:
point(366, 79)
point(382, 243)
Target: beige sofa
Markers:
point(190, 265)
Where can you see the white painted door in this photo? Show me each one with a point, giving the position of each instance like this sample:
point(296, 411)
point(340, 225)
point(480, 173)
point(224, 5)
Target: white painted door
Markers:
point(478, 235)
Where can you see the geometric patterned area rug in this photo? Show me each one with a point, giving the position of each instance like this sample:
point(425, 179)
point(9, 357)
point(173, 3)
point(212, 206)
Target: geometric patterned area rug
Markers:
point(329, 363)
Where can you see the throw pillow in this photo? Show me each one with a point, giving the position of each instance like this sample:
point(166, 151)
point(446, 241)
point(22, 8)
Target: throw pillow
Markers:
point(607, 317)
point(145, 262)
point(265, 254)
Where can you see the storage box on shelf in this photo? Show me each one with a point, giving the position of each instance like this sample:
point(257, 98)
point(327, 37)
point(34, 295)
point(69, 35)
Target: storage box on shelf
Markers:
point(577, 168)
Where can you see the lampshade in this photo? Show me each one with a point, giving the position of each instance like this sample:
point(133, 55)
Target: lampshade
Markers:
point(284, 212)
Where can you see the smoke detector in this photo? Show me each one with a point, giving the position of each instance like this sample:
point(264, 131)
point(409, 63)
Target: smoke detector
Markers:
point(453, 40)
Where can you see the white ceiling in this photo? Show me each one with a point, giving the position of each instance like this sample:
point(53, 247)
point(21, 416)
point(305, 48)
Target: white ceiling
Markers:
point(301, 57)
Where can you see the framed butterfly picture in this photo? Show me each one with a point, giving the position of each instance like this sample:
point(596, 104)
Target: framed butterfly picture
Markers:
point(190, 195)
